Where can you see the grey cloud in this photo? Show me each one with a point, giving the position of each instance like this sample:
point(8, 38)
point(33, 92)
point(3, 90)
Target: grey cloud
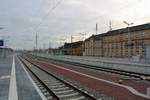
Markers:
point(20, 17)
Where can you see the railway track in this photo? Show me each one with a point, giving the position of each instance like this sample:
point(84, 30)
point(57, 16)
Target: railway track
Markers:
point(109, 70)
point(53, 87)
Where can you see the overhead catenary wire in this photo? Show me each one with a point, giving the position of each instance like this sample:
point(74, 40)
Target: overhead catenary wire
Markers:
point(44, 17)
point(50, 10)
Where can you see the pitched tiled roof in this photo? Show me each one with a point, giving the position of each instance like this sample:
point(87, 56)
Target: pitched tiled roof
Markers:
point(74, 44)
point(122, 30)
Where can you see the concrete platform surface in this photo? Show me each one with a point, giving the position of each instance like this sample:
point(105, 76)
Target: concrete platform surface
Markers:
point(5, 71)
point(15, 84)
point(100, 62)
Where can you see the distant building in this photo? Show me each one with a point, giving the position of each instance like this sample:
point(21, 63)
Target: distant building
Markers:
point(75, 48)
point(55, 51)
point(93, 46)
point(116, 43)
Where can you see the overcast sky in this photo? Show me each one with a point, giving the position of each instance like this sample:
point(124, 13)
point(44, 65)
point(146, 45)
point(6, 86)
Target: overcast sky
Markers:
point(20, 18)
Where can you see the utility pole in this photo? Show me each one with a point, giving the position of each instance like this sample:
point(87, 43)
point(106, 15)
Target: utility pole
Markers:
point(110, 28)
point(83, 46)
point(44, 47)
point(36, 43)
point(62, 41)
point(96, 28)
point(49, 48)
point(50, 44)
point(71, 38)
point(71, 45)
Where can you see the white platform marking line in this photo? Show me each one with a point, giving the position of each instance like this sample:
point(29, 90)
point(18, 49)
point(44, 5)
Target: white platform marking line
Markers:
point(13, 95)
point(34, 84)
point(132, 90)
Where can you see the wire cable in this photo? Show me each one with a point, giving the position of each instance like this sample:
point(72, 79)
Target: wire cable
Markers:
point(44, 17)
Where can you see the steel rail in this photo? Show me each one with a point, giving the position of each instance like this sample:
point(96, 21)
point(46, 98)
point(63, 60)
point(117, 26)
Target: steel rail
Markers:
point(41, 82)
point(115, 71)
point(66, 83)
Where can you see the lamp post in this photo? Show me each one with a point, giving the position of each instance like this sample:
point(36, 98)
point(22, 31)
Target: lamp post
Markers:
point(36, 44)
point(63, 44)
point(129, 37)
point(71, 45)
point(83, 46)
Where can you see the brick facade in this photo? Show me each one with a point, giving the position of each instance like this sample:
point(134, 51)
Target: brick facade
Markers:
point(116, 43)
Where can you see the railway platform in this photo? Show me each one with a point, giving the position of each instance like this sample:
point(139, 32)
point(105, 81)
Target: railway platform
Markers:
point(15, 83)
point(105, 83)
point(118, 64)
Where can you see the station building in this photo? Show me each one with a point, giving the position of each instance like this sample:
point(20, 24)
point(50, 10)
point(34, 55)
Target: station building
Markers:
point(119, 43)
point(75, 48)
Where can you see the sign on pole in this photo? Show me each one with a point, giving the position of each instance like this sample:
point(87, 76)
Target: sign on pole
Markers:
point(135, 44)
point(1, 42)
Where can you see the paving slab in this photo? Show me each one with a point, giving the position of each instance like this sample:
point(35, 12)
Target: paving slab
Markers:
point(94, 61)
point(25, 88)
point(5, 71)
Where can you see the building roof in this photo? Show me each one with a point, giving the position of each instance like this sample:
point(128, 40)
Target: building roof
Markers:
point(132, 29)
point(74, 44)
point(120, 31)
